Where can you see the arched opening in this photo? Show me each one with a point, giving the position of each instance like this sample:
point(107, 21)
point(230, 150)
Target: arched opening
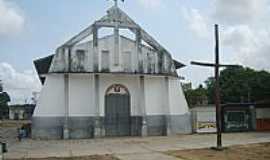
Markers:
point(117, 111)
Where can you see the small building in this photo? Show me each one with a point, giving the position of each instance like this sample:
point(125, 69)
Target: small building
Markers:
point(204, 119)
point(238, 117)
point(263, 116)
point(21, 112)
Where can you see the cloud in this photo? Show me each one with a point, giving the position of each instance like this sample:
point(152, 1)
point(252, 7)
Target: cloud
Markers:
point(11, 21)
point(19, 85)
point(196, 22)
point(151, 4)
point(239, 11)
point(251, 46)
point(242, 28)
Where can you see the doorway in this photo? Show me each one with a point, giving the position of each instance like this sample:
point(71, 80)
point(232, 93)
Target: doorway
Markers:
point(117, 111)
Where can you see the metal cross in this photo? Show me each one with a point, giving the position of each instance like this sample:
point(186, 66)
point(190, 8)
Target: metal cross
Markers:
point(217, 66)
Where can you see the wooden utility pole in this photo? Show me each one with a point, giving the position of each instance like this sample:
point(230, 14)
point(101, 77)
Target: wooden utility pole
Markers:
point(217, 66)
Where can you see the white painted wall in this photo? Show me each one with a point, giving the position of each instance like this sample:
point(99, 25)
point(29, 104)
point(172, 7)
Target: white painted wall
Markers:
point(262, 113)
point(204, 119)
point(18, 111)
point(51, 102)
point(81, 95)
point(177, 100)
point(154, 96)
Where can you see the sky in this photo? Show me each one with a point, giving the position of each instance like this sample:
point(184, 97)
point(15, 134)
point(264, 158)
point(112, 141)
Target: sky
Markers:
point(31, 29)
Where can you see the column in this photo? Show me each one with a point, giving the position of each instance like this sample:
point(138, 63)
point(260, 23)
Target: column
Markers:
point(95, 50)
point(142, 105)
point(253, 117)
point(98, 125)
point(116, 46)
point(66, 91)
point(167, 106)
point(139, 68)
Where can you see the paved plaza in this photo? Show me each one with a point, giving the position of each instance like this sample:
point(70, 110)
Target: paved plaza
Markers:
point(133, 148)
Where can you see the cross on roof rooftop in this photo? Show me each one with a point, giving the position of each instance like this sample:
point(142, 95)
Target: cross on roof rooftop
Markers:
point(116, 2)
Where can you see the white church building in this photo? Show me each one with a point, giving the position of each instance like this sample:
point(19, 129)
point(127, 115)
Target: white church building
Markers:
point(112, 85)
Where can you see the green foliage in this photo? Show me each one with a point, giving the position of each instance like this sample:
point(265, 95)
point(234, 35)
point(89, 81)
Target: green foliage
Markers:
point(239, 84)
point(196, 96)
point(210, 89)
point(1, 86)
point(4, 99)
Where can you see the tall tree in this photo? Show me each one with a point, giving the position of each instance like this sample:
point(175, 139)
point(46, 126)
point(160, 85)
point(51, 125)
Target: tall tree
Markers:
point(196, 96)
point(239, 84)
point(1, 86)
point(4, 99)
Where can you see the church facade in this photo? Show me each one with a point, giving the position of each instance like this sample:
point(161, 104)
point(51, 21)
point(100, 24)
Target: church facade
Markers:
point(110, 86)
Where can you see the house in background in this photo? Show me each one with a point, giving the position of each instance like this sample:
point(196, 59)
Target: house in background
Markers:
point(239, 117)
point(246, 117)
point(236, 117)
point(203, 118)
point(263, 116)
point(114, 85)
point(21, 112)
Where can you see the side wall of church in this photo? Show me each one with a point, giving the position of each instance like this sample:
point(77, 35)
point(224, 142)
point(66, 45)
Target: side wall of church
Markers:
point(51, 102)
point(47, 120)
point(180, 119)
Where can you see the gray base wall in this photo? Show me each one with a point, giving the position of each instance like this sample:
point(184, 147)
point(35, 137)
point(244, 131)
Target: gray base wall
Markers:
point(180, 124)
point(84, 127)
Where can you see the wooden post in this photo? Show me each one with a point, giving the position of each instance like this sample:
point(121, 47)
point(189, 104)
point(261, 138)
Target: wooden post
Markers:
point(217, 91)
point(1, 151)
point(216, 65)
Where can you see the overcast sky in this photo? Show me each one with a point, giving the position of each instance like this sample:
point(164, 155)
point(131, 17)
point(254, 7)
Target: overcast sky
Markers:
point(31, 29)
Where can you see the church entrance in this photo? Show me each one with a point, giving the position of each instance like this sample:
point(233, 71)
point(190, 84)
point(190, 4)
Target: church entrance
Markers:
point(117, 111)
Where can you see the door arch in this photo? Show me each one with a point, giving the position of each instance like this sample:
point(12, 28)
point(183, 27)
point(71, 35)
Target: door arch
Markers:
point(117, 111)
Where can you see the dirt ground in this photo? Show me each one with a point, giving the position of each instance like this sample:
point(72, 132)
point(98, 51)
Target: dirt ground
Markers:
point(240, 152)
point(94, 157)
point(9, 130)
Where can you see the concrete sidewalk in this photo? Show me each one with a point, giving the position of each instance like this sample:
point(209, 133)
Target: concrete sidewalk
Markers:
point(127, 148)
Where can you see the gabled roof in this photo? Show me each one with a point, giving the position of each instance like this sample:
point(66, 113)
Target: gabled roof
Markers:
point(116, 17)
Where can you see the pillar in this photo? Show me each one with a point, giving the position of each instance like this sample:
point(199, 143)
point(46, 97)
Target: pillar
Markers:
point(253, 117)
point(98, 125)
point(116, 46)
point(167, 107)
point(139, 67)
point(66, 91)
point(95, 50)
point(142, 105)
